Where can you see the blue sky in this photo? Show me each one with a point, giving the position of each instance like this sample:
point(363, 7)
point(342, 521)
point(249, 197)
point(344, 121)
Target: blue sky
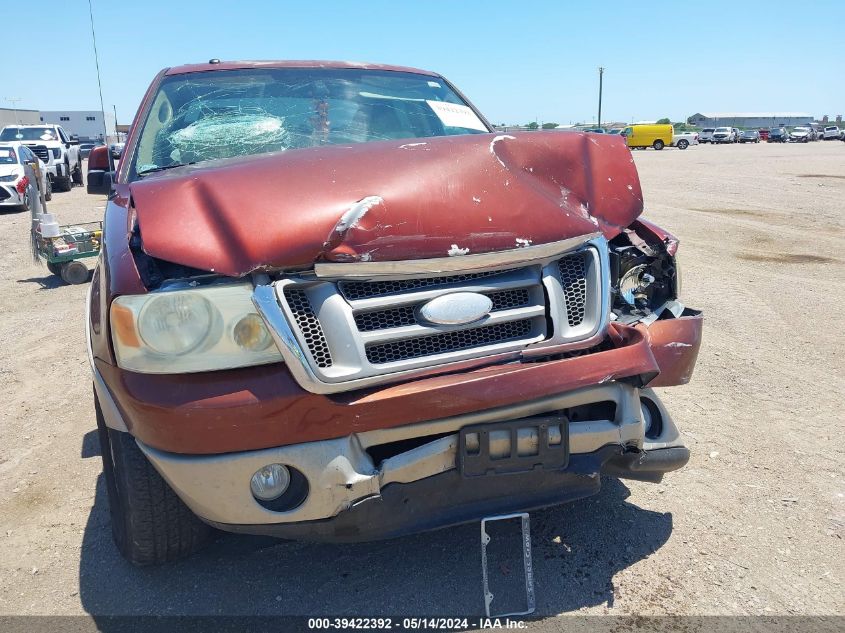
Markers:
point(517, 61)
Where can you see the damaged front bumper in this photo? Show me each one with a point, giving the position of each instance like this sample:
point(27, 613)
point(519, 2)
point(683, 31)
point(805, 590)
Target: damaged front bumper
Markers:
point(356, 493)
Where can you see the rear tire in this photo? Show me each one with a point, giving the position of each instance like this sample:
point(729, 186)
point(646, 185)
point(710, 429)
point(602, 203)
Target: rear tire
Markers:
point(74, 272)
point(150, 524)
point(658, 145)
point(682, 144)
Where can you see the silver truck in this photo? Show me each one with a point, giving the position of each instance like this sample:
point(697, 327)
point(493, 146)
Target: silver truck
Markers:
point(56, 149)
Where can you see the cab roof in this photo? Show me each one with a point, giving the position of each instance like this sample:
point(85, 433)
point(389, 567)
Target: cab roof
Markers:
point(234, 65)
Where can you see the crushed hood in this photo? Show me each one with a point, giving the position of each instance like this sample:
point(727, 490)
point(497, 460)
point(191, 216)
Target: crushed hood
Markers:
point(390, 200)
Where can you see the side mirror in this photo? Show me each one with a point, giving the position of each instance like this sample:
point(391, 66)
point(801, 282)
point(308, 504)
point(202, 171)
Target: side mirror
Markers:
point(74, 140)
point(100, 183)
point(100, 175)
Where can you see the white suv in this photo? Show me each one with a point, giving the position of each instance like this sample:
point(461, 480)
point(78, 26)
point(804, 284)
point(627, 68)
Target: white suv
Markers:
point(831, 132)
point(724, 135)
point(58, 151)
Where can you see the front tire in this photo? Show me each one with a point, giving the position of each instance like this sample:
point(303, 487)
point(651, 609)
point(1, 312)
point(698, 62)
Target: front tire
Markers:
point(77, 174)
point(151, 525)
point(63, 183)
point(658, 145)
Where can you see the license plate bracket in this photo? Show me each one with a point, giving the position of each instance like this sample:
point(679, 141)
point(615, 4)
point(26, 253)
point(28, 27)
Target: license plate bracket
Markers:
point(515, 446)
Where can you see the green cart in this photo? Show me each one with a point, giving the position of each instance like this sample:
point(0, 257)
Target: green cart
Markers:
point(63, 252)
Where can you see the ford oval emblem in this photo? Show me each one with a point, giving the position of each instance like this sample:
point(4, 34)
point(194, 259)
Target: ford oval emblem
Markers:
point(457, 308)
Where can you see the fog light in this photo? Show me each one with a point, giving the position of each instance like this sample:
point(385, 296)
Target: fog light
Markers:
point(270, 482)
point(251, 334)
point(652, 419)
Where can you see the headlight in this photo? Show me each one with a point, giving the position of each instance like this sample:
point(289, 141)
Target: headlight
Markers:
point(9, 178)
point(189, 330)
point(57, 152)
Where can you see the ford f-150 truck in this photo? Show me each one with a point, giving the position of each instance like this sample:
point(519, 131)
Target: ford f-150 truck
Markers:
point(58, 151)
point(333, 304)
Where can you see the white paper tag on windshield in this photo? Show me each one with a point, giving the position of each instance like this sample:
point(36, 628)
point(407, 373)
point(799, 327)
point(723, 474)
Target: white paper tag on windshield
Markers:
point(456, 115)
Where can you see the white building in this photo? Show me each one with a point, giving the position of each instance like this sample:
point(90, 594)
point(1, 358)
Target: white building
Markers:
point(11, 116)
point(750, 119)
point(86, 124)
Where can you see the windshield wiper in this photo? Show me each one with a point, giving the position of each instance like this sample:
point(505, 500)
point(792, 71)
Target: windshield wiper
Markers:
point(153, 170)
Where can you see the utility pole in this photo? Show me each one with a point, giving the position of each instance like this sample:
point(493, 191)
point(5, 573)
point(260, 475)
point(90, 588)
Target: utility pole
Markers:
point(116, 135)
point(14, 101)
point(601, 74)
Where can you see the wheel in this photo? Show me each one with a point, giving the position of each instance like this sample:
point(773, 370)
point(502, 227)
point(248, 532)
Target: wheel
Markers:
point(63, 183)
point(658, 144)
point(48, 192)
point(56, 269)
point(77, 174)
point(74, 272)
point(683, 143)
point(150, 524)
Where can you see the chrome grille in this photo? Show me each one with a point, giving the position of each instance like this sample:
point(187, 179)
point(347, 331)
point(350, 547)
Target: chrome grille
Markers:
point(354, 290)
point(406, 315)
point(310, 327)
point(447, 342)
point(41, 151)
point(354, 329)
point(384, 319)
point(573, 278)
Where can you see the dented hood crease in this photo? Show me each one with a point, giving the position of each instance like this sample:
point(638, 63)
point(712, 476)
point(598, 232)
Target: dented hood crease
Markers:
point(390, 200)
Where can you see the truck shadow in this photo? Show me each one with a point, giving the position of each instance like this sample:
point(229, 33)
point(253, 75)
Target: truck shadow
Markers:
point(578, 549)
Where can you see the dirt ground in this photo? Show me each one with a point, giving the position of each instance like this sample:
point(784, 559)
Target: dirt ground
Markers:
point(753, 525)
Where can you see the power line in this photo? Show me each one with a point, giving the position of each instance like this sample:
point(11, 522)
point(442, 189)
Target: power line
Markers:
point(100, 85)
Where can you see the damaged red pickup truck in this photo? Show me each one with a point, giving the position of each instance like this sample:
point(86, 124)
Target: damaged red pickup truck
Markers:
point(334, 304)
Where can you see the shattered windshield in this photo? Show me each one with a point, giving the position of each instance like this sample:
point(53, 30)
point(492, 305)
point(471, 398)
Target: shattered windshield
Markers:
point(223, 114)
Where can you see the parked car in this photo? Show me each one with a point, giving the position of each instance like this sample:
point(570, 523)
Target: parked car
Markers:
point(724, 135)
point(801, 135)
point(682, 140)
point(764, 134)
point(657, 136)
point(749, 136)
point(116, 149)
point(706, 135)
point(24, 184)
point(85, 149)
point(255, 375)
point(831, 132)
point(56, 149)
point(778, 135)
point(616, 130)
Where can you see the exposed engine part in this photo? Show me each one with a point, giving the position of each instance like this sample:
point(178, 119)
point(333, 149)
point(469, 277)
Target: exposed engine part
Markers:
point(644, 277)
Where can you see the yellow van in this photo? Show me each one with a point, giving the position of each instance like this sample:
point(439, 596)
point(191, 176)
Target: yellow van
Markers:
point(657, 136)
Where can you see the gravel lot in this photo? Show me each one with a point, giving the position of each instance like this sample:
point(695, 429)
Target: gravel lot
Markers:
point(753, 525)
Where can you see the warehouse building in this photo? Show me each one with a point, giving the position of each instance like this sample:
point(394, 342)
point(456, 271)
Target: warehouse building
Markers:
point(750, 119)
point(11, 116)
point(86, 124)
